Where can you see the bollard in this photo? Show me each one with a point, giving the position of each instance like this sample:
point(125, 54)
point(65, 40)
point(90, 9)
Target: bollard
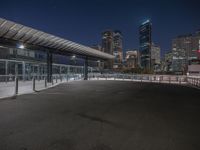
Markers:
point(60, 78)
point(56, 79)
point(199, 83)
point(33, 83)
point(52, 81)
point(179, 80)
point(45, 82)
point(16, 85)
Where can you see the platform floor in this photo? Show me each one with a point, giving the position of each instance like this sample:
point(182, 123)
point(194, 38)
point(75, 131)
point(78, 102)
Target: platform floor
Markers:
point(102, 115)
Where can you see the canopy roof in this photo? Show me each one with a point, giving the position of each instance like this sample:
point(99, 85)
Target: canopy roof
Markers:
point(24, 34)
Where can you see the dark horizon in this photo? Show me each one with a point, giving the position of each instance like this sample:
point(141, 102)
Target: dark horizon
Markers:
point(84, 21)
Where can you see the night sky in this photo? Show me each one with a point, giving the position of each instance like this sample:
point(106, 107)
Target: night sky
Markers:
point(83, 21)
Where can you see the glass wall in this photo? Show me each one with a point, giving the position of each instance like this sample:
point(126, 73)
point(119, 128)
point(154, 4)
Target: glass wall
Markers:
point(26, 63)
point(27, 70)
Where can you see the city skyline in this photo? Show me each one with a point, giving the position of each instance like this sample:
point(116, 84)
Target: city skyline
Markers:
point(64, 18)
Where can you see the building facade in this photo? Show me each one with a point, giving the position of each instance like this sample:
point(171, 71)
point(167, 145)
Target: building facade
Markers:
point(107, 47)
point(112, 44)
point(145, 41)
point(168, 62)
point(131, 59)
point(185, 51)
point(117, 49)
point(155, 57)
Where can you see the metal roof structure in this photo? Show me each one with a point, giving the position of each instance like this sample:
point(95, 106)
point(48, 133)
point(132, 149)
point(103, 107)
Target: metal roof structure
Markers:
point(24, 34)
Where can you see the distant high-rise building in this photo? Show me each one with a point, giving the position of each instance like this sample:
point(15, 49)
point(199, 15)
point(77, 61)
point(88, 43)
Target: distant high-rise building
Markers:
point(107, 41)
point(145, 41)
point(168, 61)
point(181, 50)
point(195, 54)
point(117, 48)
point(132, 58)
point(107, 47)
point(112, 44)
point(155, 54)
point(155, 58)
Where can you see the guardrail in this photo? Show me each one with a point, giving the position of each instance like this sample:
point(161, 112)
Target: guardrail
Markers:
point(171, 79)
point(194, 81)
point(13, 85)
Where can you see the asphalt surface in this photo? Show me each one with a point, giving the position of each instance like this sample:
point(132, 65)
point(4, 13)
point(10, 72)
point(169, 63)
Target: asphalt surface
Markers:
point(102, 115)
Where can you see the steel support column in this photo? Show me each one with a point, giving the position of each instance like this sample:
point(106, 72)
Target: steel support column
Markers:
point(86, 69)
point(23, 70)
point(6, 70)
point(49, 66)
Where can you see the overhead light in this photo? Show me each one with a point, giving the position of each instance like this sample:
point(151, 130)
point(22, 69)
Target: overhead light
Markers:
point(21, 46)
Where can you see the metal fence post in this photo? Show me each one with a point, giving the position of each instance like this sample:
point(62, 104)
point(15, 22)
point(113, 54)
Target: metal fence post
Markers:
point(60, 78)
point(45, 82)
point(16, 85)
point(33, 83)
point(196, 82)
point(52, 80)
point(199, 83)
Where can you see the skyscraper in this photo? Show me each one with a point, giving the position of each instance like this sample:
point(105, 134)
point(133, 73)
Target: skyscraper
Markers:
point(132, 58)
point(186, 50)
point(145, 44)
point(117, 48)
point(155, 54)
point(195, 53)
point(107, 41)
point(107, 47)
point(112, 44)
point(181, 50)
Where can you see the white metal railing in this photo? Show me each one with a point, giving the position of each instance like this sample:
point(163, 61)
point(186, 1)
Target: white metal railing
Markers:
point(172, 79)
point(13, 85)
point(194, 81)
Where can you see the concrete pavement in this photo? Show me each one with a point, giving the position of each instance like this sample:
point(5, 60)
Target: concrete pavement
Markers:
point(102, 115)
